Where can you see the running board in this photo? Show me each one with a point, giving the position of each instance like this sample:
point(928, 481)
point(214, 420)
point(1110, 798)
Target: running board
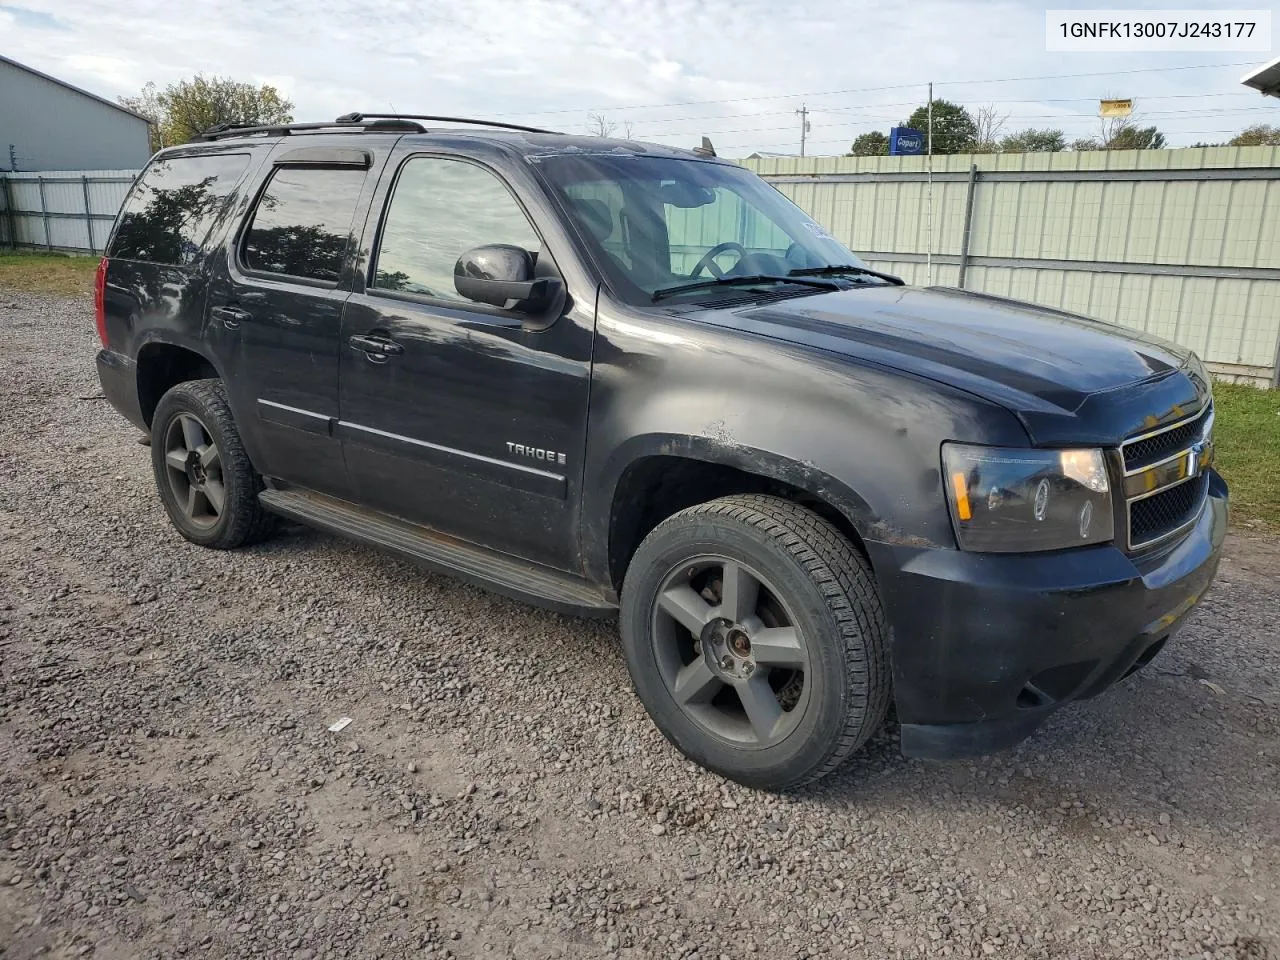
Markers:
point(509, 576)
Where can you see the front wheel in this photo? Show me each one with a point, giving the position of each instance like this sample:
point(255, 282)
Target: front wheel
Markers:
point(756, 640)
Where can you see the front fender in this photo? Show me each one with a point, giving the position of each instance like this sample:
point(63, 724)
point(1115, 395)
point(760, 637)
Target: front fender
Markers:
point(723, 451)
point(862, 438)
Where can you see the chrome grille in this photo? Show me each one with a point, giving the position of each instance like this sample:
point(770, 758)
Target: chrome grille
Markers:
point(1165, 485)
point(1150, 448)
point(1154, 518)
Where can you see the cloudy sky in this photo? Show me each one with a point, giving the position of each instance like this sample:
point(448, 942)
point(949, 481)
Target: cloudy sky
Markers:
point(735, 70)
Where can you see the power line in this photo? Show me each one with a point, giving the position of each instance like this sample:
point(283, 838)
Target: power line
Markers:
point(916, 103)
point(1103, 73)
point(1023, 118)
point(1163, 96)
point(691, 103)
point(898, 86)
point(776, 113)
point(1046, 117)
point(770, 146)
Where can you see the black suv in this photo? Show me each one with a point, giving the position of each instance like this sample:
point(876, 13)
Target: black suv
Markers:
point(613, 377)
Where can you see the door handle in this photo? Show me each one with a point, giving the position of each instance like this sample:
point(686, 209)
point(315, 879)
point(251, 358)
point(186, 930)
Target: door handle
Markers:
point(375, 347)
point(231, 317)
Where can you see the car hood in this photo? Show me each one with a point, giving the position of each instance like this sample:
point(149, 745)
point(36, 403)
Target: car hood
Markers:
point(1067, 377)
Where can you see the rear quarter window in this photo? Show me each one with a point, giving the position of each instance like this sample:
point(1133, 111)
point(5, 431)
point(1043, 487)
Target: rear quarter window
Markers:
point(171, 209)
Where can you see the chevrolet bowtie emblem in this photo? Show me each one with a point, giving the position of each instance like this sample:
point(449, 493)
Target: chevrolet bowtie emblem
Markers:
point(1196, 458)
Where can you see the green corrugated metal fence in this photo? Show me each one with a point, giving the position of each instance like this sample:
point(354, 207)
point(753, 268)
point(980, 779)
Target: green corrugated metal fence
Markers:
point(1184, 244)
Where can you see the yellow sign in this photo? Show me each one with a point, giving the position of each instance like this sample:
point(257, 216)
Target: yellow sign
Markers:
point(1116, 108)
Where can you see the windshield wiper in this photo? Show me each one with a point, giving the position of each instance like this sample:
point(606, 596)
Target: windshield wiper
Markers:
point(741, 281)
point(846, 268)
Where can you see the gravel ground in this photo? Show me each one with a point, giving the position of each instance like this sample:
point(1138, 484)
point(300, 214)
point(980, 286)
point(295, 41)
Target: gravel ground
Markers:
point(168, 785)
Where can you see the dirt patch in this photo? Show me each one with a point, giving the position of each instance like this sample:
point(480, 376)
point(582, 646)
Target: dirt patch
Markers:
point(169, 787)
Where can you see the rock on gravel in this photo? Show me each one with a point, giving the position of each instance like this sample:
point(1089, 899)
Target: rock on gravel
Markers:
point(168, 785)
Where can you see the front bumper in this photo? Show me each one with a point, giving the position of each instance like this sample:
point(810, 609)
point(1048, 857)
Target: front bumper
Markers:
point(986, 646)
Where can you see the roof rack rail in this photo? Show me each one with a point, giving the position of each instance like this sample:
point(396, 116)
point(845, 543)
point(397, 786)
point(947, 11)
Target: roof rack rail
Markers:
point(361, 117)
point(219, 130)
point(373, 122)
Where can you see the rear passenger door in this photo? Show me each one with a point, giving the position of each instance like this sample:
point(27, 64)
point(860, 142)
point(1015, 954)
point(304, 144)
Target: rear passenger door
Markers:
point(277, 311)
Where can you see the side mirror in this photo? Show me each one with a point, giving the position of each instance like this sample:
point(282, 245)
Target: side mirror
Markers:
point(501, 275)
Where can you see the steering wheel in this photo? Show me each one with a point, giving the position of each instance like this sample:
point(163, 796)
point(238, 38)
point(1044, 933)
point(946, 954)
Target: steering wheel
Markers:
point(708, 261)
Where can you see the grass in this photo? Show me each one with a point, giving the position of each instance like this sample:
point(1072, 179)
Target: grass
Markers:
point(1247, 434)
point(1247, 431)
point(47, 273)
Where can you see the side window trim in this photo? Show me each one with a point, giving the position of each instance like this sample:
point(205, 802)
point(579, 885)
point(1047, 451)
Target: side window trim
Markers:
point(326, 157)
point(497, 314)
point(241, 236)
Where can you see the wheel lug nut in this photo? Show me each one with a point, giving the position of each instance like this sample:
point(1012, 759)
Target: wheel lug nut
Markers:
point(726, 662)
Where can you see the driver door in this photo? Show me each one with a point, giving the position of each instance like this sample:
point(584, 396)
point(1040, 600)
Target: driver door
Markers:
point(467, 421)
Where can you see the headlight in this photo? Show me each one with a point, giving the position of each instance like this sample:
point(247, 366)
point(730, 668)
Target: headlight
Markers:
point(1009, 500)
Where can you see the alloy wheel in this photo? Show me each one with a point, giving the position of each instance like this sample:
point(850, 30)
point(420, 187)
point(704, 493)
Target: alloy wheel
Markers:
point(730, 653)
point(194, 469)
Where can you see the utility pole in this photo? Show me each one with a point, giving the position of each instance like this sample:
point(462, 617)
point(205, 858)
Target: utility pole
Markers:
point(804, 125)
point(929, 200)
point(929, 148)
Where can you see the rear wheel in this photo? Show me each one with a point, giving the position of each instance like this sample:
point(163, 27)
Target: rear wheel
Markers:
point(756, 640)
point(204, 477)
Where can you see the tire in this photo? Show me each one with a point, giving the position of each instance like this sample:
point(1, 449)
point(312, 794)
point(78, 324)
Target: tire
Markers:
point(203, 475)
point(814, 618)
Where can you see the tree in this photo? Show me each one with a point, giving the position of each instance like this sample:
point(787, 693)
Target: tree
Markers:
point(1128, 136)
point(185, 108)
point(873, 144)
point(147, 104)
point(987, 126)
point(1262, 135)
point(598, 125)
point(1034, 141)
point(1123, 134)
point(953, 129)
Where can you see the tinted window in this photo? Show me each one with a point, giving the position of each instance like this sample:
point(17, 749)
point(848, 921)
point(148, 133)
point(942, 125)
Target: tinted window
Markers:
point(170, 210)
point(302, 221)
point(440, 210)
point(598, 205)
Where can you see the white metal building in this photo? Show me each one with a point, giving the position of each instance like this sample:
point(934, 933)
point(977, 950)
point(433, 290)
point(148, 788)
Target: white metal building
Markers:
point(46, 124)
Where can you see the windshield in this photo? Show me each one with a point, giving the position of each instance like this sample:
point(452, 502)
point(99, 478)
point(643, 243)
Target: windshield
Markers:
point(657, 223)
